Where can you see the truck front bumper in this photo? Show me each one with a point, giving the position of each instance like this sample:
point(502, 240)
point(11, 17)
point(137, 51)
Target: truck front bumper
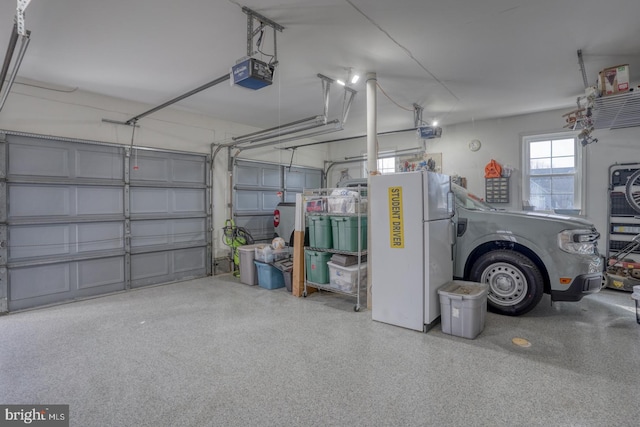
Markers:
point(582, 285)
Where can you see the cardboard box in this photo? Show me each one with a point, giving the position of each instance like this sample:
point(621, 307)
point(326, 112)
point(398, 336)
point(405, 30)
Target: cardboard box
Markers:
point(614, 80)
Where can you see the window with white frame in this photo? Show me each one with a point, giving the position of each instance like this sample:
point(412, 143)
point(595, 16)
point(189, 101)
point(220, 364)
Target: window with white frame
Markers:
point(387, 165)
point(552, 172)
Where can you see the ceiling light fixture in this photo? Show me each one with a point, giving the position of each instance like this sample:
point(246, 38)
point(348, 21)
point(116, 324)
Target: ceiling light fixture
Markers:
point(351, 78)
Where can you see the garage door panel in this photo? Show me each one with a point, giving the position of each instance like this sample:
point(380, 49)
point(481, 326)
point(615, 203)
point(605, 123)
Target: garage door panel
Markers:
point(299, 179)
point(191, 230)
point(149, 233)
point(40, 200)
point(99, 201)
point(189, 260)
point(254, 174)
point(247, 201)
point(188, 200)
point(101, 236)
point(145, 266)
point(39, 241)
point(166, 232)
point(260, 227)
point(294, 178)
point(32, 157)
point(149, 169)
point(168, 168)
point(163, 267)
point(96, 163)
point(255, 201)
point(313, 180)
point(100, 272)
point(149, 200)
point(290, 197)
point(32, 286)
point(163, 201)
point(29, 282)
point(47, 240)
point(39, 161)
point(189, 171)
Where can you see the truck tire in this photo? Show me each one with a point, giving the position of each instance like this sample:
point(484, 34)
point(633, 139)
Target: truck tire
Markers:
point(631, 191)
point(515, 282)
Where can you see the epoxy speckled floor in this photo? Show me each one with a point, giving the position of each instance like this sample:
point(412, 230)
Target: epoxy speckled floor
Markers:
point(213, 352)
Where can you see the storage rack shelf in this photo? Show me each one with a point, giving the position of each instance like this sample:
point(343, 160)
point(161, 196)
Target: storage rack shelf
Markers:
point(617, 111)
point(336, 251)
point(326, 287)
point(325, 200)
point(623, 223)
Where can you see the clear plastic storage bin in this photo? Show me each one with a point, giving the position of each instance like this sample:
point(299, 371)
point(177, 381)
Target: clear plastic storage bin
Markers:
point(345, 279)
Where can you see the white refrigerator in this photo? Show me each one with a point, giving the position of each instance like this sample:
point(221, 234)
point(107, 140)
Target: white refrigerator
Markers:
point(411, 250)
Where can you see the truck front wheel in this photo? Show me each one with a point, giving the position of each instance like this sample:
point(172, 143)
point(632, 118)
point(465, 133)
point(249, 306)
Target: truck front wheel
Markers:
point(515, 282)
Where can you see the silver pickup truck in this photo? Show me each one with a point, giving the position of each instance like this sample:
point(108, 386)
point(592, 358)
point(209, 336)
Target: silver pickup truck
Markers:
point(520, 255)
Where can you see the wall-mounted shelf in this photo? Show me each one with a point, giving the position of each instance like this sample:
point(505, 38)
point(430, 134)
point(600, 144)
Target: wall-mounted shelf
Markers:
point(617, 111)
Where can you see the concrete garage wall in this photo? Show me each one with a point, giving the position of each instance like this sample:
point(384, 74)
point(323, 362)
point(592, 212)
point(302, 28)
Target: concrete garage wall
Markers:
point(501, 140)
point(76, 114)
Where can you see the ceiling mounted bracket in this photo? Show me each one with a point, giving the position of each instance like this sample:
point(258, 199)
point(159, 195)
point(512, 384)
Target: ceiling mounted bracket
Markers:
point(585, 81)
point(251, 33)
point(21, 7)
point(275, 135)
point(346, 105)
point(417, 115)
point(326, 85)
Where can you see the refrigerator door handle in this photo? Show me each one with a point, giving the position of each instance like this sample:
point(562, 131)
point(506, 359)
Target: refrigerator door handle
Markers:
point(452, 234)
point(451, 203)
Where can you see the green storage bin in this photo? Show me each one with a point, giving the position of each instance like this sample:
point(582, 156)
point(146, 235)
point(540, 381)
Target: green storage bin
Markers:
point(316, 266)
point(320, 235)
point(345, 233)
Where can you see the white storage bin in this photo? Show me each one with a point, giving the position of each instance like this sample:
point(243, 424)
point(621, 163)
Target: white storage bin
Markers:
point(345, 201)
point(346, 205)
point(346, 278)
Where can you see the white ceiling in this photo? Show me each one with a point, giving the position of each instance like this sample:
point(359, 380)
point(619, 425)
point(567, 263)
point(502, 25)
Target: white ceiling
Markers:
point(461, 60)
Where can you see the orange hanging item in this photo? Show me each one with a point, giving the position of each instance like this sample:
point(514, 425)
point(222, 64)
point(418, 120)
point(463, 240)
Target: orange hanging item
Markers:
point(492, 170)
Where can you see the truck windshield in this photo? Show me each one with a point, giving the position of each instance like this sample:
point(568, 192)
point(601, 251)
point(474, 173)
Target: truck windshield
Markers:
point(469, 201)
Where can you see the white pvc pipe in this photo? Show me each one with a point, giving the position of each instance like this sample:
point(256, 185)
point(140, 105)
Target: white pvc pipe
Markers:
point(372, 124)
point(372, 165)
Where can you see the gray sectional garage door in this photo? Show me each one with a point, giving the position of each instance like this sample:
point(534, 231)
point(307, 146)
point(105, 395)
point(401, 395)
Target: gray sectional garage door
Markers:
point(82, 219)
point(169, 217)
point(256, 188)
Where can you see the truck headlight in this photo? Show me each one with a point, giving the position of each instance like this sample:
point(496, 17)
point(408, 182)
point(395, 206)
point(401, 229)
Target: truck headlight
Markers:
point(581, 242)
